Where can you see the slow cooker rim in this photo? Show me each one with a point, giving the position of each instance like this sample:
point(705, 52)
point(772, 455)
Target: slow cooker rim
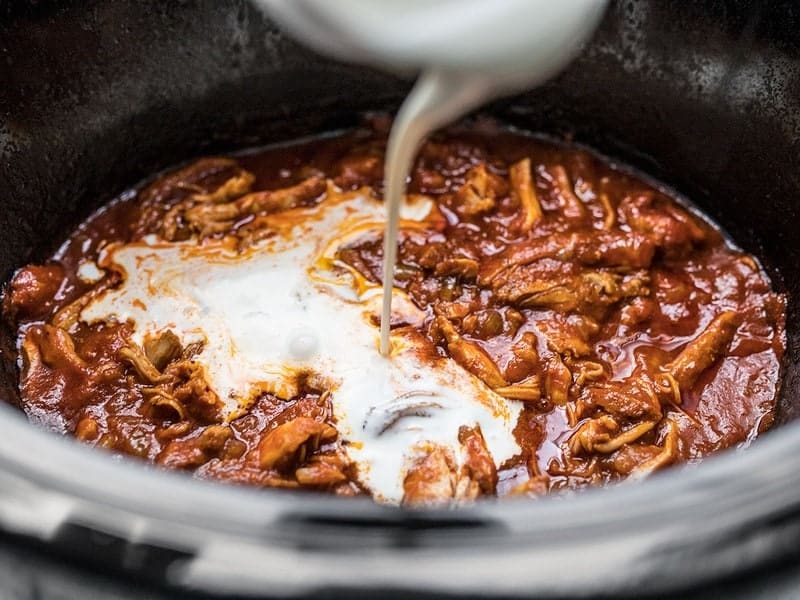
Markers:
point(224, 530)
point(86, 474)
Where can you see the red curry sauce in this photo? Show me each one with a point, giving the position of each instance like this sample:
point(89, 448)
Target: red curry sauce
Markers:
point(633, 333)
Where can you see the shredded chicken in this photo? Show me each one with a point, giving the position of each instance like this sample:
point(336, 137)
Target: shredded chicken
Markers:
point(469, 355)
point(570, 204)
point(478, 193)
point(234, 187)
point(215, 441)
point(136, 357)
point(186, 383)
point(209, 219)
point(601, 435)
point(557, 380)
point(529, 391)
point(324, 470)
point(704, 351)
point(631, 398)
point(621, 251)
point(290, 443)
point(465, 268)
point(562, 289)
point(525, 193)
point(478, 464)
point(670, 227)
point(668, 454)
point(430, 479)
point(163, 349)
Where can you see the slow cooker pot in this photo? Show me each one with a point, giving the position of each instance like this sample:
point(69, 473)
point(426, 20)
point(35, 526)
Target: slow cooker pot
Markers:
point(95, 95)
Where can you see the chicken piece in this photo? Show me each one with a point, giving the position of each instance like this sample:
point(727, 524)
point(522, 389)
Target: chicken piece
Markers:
point(582, 470)
point(536, 486)
point(594, 431)
point(563, 288)
point(464, 268)
point(200, 178)
point(458, 309)
point(214, 437)
point(185, 380)
point(598, 435)
point(31, 292)
point(528, 391)
point(469, 355)
point(568, 335)
point(430, 479)
point(669, 390)
point(667, 456)
point(639, 310)
point(192, 177)
point(54, 349)
point(233, 188)
point(483, 324)
point(431, 254)
point(618, 250)
point(289, 444)
point(544, 283)
point(586, 370)
point(87, 429)
point(478, 462)
point(551, 246)
point(524, 192)
point(611, 214)
point(165, 404)
point(571, 206)
point(514, 320)
point(163, 349)
point(561, 298)
point(478, 193)
point(673, 229)
point(633, 398)
point(136, 357)
point(602, 287)
point(524, 360)
point(557, 381)
point(319, 474)
point(630, 456)
point(214, 441)
point(704, 350)
point(322, 471)
point(173, 431)
point(208, 219)
point(306, 191)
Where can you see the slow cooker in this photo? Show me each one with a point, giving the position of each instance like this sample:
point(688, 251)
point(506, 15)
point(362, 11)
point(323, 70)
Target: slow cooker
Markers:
point(95, 95)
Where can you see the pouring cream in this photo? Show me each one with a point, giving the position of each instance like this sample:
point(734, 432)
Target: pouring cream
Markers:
point(468, 52)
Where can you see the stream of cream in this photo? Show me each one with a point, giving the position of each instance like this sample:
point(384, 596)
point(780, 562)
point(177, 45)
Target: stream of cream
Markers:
point(438, 98)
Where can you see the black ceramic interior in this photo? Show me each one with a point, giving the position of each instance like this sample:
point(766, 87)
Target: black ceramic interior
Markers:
point(97, 94)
